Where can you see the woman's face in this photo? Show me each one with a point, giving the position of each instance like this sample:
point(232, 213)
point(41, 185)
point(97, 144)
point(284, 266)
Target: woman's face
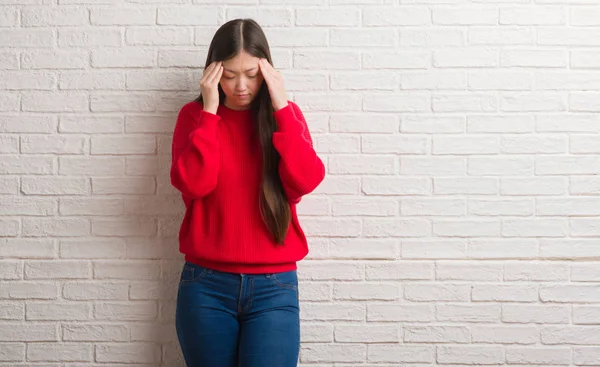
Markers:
point(241, 80)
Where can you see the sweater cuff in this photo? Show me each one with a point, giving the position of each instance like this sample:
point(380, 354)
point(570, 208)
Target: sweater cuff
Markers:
point(287, 121)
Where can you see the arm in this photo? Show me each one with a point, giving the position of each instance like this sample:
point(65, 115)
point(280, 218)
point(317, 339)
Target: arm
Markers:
point(195, 152)
point(300, 169)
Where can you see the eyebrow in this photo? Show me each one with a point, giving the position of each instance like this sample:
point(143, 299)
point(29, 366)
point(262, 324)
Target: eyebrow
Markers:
point(231, 71)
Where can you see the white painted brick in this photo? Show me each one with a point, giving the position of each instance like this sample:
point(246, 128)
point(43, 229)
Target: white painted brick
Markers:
point(464, 103)
point(91, 80)
point(60, 16)
point(401, 270)
point(338, 311)
point(434, 249)
point(465, 16)
point(60, 352)
point(364, 37)
point(12, 310)
point(339, 16)
point(513, 36)
point(366, 291)
point(537, 314)
point(95, 333)
point(122, 16)
point(9, 60)
point(534, 145)
point(534, 227)
point(307, 59)
point(127, 353)
point(27, 80)
point(129, 57)
point(126, 311)
point(424, 37)
point(465, 185)
point(584, 59)
point(55, 60)
point(44, 311)
point(532, 102)
point(52, 144)
point(588, 356)
point(570, 293)
point(584, 102)
point(362, 248)
point(55, 102)
point(517, 271)
point(396, 144)
point(585, 185)
point(511, 293)
point(467, 313)
point(501, 166)
point(29, 38)
point(94, 291)
point(511, 207)
point(398, 102)
point(366, 164)
point(559, 36)
point(529, 58)
point(53, 269)
point(33, 227)
point(27, 248)
point(371, 80)
point(266, 17)
point(89, 38)
point(367, 334)
point(297, 37)
point(12, 352)
point(467, 228)
point(123, 185)
point(338, 102)
point(28, 206)
point(466, 270)
point(537, 355)
point(325, 271)
point(377, 59)
point(129, 270)
point(38, 332)
point(502, 248)
point(585, 227)
point(434, 81)
point(336, 143)
point(569, 248)
point(532, 15)
point(436, 334)
point(364, 207)
point(421, 292)
point(585, 272)
point(316, 332)
point(586, 315)
point(396, 186)
point(314, 292)
point(9, 102)
point(381, 227)
point(397, 353)
point(399, 312)
point(318, 352)
point(472, 354)
point(404, 16)
point(465, 58)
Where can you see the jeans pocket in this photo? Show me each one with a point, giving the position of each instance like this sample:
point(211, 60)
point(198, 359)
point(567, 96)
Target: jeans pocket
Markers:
point(287, 279)
point(192, 273)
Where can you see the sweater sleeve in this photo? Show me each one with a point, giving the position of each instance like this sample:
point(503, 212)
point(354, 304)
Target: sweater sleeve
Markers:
point(300, 169)
point(195, 152)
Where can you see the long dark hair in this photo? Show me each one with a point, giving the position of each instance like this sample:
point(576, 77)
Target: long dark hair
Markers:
point(231, 38)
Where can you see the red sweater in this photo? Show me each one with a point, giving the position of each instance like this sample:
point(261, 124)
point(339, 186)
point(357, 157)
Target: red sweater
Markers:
point(216, 165)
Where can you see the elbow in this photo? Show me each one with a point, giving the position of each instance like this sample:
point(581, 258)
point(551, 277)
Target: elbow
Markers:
point(193, 187)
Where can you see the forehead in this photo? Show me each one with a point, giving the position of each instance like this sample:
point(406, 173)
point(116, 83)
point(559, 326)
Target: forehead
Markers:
point(241, 62)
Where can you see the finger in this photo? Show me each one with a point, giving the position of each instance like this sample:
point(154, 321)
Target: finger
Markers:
point(217, 75)
point(214, 70)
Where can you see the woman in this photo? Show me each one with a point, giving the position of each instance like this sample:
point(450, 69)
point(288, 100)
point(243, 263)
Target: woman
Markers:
point(242, 159)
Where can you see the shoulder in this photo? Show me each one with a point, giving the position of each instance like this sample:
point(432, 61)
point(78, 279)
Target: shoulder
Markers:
point(192, 108)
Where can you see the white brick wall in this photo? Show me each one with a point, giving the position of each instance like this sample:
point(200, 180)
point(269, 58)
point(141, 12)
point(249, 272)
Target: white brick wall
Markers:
point(459, 223)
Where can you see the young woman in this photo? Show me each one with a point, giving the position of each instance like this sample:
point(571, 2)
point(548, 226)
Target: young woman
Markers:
point(242, 159)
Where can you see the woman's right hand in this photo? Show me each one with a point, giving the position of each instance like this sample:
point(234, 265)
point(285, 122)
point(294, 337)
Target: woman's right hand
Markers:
point(209, 84)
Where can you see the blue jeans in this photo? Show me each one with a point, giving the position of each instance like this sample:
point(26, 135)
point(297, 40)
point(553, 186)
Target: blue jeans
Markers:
point(238, 320)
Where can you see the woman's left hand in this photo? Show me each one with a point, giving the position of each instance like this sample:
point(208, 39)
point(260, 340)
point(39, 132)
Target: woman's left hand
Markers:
point(274, 82)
